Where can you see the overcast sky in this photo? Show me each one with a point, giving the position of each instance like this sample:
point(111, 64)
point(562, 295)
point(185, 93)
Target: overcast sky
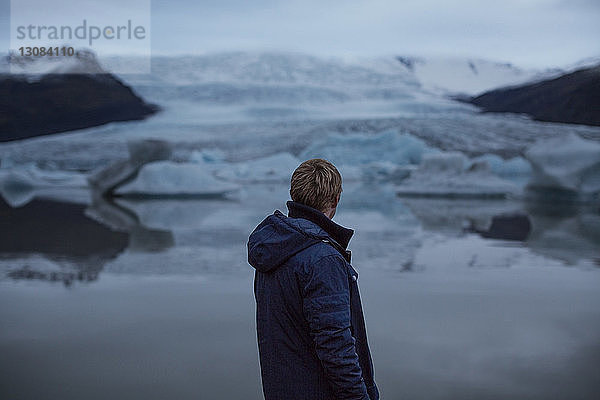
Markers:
point(528, 33)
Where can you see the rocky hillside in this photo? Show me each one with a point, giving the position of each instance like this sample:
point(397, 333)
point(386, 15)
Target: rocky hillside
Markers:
point(571, 98)
point(35, 105)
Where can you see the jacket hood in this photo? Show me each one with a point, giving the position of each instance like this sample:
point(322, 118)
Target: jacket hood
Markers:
point(278, 237)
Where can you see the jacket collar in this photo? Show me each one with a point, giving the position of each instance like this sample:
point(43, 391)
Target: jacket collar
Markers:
point(337, 232)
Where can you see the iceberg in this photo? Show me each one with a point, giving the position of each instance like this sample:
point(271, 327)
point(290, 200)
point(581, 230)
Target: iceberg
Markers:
point(277, 167)
point(172, 179)
point(21, 184)
point(515, 169)
point(447, 175)
point(39, 177)
point(565, 167)
point(17, 189)
point(445, 163)
point(390, 156)
point(360, 149)
point(385, 172)
point(210, 156)
point(274, 168)
point(106, 179)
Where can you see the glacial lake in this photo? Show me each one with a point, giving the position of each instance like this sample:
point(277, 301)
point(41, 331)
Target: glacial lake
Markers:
point(152, 299)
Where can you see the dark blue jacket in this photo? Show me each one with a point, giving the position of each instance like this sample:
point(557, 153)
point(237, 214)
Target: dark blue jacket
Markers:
point(310, 326)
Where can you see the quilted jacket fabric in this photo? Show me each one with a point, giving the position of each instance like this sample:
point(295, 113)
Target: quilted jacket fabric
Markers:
point(310, 325)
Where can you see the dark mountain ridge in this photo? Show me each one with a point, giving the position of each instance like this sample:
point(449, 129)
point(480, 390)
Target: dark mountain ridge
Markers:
point(572, 98)
point(63, 102)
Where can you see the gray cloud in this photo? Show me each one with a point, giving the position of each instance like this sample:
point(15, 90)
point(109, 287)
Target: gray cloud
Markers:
point(540, 33)
point(530, 33)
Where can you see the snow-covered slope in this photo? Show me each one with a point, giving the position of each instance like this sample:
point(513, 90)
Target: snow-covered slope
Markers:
point(82, 62)
point(439, 74)
point(406, 73)
point(282, 68)
point(384, 76)
point(464, 75)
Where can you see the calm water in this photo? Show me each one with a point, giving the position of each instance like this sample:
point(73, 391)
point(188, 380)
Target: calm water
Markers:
point(153, 299)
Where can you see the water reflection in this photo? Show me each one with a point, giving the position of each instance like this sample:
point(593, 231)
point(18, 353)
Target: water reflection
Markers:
point(123, 219)
point(59, 234)
point(483, 322)
point(59, 241)
point(566, 232)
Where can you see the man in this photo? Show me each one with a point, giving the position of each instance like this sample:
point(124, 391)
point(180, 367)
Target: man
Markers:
point(309, 320)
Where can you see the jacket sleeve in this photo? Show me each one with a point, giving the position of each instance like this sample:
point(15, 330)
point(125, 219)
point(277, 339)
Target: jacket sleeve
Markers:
point(326, 307)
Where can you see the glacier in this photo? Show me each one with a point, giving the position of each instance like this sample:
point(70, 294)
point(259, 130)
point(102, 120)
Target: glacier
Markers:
point(254, 116)
point(465, 75)
point(252, 104)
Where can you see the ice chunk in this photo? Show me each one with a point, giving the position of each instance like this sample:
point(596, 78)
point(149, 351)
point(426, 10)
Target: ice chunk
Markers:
point(445, 175)
point(207, 156)
point(141, 152)
point(391, 156)
point(39, 177)
point(384, 171)
point(359, 149)
point(167, 178)
point(17, 188)
point(21, 184)
point(516, 169)
point(568, 164)
point(275, 168)
point(445, 163)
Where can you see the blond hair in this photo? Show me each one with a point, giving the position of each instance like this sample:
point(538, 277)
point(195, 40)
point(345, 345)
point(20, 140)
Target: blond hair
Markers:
point(316, 183)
